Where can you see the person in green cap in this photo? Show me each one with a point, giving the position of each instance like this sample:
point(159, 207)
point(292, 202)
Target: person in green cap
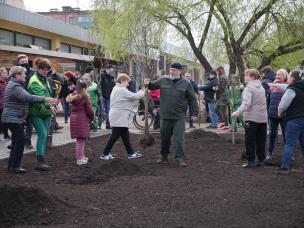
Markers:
point(94, 97)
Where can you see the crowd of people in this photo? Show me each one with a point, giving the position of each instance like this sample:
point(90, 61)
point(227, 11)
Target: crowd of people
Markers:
point(29, 98)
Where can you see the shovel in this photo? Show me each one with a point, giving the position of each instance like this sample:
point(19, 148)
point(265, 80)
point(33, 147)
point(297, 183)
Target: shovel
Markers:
point(147, 139)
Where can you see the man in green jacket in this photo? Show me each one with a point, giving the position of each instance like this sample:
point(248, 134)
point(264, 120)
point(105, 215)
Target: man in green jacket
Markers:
point(176, 94)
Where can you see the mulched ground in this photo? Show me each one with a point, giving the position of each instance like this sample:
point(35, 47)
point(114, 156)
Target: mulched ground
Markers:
point(213, 191)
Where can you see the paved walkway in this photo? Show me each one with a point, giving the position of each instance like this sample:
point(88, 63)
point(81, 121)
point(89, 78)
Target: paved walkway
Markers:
point(63, 136)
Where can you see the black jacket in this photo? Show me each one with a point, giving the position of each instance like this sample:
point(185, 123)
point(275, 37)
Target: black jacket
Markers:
point(296, 108)
point(68, 87)
point(106, 84)
point(132, 86)
point(208, 89)
point(175, 97)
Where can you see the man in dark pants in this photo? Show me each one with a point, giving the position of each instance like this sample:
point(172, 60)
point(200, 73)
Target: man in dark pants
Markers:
point(195, 88)
point(106, 85)
point(24, 62)
point(176, 94)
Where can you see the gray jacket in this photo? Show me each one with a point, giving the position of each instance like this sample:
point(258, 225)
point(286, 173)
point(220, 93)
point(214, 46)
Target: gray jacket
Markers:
point(175, 97)
point(16, 100)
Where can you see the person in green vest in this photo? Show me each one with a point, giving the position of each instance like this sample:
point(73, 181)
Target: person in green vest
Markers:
point(235, 100)
point(40, 113)
point(94, 97)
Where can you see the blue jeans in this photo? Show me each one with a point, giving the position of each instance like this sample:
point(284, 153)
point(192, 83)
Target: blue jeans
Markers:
point(212, 114)
point(294, 131)
point(273, 132)
point(66, 110)
point(106, 105)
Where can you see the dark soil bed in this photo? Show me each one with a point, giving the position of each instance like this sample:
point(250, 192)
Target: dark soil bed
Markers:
point(213, 191)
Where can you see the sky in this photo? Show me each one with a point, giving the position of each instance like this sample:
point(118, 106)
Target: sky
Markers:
point(46, 5)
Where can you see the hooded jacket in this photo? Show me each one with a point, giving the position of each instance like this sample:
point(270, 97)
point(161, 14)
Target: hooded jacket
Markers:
point(254, 103)
point(81, 115)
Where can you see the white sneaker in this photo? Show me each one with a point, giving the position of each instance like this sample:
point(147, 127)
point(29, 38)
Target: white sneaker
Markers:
point(82, 161)
point(106, 157)
point(268, 158)
point(85, 158)
point(135, 155)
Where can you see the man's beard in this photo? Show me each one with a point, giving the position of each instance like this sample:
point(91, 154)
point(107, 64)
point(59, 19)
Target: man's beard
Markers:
point(174, 77)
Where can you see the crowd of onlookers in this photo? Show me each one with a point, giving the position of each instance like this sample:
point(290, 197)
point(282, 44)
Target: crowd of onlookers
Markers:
point(29, 97)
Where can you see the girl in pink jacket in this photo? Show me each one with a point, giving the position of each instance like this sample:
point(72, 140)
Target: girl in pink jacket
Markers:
point(255, 115)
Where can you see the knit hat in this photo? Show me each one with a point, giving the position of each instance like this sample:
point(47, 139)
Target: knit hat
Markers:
point(176, 65)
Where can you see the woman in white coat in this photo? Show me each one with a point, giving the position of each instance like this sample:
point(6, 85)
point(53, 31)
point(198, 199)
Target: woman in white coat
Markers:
point(120, 116)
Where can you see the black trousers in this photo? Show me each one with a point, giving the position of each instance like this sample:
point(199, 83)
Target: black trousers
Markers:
point(3, 126)
point(117, 132)
point(255, 140)
point(28, 131)
point(18, 142)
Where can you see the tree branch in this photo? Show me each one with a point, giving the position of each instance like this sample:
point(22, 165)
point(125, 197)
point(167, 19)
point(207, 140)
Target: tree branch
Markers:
point(207, 26)
point(255, 17)
point(282, 50)
point(257, 33)
point(227, 24)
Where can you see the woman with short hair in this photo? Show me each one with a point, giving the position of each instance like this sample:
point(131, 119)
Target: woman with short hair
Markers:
point(15, 110)
point(40, 114)
point(255, 115)
point(274, 97)
point(120, 116)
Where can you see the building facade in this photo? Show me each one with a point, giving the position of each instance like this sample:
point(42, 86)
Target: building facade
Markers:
point(72, 16)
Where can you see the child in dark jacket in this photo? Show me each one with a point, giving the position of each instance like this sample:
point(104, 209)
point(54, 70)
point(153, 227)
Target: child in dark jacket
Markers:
point(81, 117)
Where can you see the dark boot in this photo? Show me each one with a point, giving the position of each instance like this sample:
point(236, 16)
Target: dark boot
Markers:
point(49, 141)
point(41, 166)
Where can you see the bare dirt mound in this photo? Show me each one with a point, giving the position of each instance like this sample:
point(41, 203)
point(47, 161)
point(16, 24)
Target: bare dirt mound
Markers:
point(112, 169)
point(30, 206)
point(200, 134)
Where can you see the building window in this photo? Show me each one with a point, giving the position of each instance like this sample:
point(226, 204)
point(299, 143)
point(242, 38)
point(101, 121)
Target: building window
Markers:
point(76, 50)
point(44, 43)
point(65, 47)
point(24, 40)
point(6, 37)
point(71, 20)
